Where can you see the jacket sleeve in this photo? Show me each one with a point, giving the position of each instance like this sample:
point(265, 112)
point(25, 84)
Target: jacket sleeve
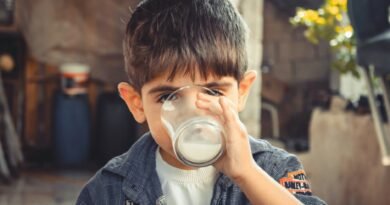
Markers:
point(289, 173)
point(84, 197)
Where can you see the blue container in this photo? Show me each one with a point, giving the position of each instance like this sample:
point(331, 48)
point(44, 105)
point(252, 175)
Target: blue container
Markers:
point(71, 129)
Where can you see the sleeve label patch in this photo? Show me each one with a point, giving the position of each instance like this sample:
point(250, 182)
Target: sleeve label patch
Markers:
point(296, 183)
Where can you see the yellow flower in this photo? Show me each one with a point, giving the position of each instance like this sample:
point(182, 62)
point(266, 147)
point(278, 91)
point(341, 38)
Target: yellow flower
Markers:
point(300, 13)
point(333, 10)
point(320, 21)
point(348, 28)
point(339, 17)
point(338, 29)
point(311, 15)
point(327, 24)
point(338, 2)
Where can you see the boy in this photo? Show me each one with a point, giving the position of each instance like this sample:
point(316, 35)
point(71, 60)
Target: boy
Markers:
point(174, 43)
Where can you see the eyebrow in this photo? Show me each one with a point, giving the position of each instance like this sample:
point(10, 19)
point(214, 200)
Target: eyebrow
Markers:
point(162, 88)
point(217, 84)
point(167, 88)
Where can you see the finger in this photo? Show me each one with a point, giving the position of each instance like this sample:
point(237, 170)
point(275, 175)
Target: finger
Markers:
point(232, 108)
point(229, 119)
point(211, 106)
point(202, 96)
point(227, 109)
point(233, 125)
point(215, 99)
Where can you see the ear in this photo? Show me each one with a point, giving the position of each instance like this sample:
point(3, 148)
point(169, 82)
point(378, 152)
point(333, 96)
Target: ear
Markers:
point(133, 101)
point(244, 88)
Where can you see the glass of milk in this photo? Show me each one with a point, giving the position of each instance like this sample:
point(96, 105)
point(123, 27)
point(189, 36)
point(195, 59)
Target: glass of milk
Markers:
point(197, 136)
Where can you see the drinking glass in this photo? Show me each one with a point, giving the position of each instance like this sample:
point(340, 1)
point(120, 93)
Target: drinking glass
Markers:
point(196, 135)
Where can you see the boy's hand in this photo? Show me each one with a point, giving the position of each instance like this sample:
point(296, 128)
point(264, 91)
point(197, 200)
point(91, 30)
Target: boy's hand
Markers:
point(237, 158)
point(237, 162)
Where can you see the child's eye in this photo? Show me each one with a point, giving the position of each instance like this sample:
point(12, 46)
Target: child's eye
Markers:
point(163, 97)
point(214, 92)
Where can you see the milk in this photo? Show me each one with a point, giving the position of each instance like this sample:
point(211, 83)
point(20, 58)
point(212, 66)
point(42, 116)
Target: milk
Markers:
point(199, 152)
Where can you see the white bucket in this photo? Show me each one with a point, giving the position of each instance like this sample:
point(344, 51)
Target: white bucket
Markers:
point(74, 78)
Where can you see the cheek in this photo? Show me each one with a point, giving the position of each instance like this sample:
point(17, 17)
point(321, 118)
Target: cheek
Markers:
point(157, 130)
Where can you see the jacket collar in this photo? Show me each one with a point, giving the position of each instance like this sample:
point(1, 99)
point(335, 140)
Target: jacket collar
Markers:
point(138, 168)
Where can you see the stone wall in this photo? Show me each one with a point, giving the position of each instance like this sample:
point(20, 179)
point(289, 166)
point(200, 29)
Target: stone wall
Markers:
point(291, 58)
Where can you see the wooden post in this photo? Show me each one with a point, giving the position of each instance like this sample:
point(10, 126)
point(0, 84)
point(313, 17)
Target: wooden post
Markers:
point(41, 84)
point(252, 12)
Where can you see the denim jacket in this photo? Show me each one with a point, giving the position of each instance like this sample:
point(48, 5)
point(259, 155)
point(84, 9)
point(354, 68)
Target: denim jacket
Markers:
point(131, 179)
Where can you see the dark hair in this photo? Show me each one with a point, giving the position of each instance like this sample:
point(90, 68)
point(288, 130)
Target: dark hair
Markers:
point(184, 36)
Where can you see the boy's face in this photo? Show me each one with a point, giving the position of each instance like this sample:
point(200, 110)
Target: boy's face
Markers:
point(146, 106)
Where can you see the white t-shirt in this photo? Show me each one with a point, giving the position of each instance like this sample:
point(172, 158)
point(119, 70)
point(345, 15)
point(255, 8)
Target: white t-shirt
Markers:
point(189, 187)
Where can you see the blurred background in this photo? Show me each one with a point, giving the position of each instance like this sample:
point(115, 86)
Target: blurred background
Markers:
point(323, 93)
